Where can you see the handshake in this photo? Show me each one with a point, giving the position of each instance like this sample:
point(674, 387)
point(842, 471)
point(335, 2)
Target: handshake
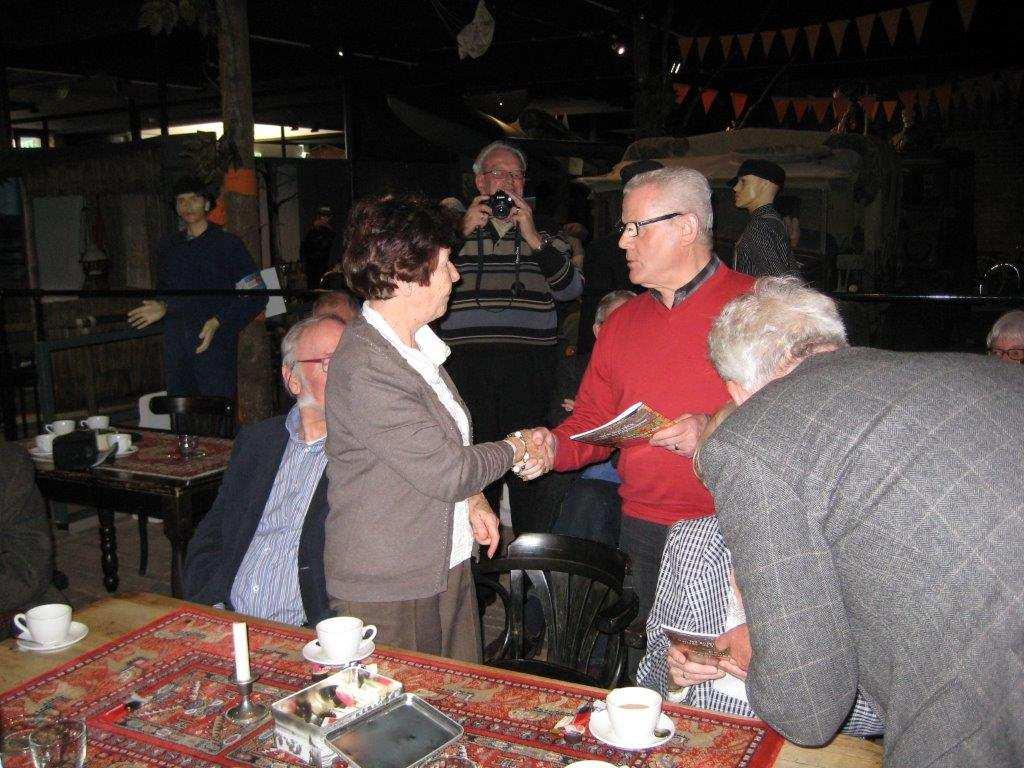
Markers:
point(536, 455)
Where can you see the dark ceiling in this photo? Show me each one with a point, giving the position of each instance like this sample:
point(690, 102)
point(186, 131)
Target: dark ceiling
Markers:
point(558, 52)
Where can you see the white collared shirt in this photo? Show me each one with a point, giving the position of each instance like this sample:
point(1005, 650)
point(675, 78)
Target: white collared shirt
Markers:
point(427, 361)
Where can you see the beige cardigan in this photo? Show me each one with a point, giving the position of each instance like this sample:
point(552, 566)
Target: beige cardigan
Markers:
point(396, 467)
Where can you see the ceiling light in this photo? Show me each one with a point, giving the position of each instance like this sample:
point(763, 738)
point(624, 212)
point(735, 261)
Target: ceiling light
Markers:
point(341, 51)
point(619, 48)
point(676, 68)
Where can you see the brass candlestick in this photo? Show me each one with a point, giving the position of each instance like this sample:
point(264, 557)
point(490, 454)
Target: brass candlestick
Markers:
point(246, 711)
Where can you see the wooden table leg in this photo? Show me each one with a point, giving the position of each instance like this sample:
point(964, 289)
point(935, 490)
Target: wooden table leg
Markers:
point(108, 548)
point(178, 528)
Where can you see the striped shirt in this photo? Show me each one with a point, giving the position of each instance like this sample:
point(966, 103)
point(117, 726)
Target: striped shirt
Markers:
point(486, 306)
point(267, 582)
point(763, 248)
point(694, 595)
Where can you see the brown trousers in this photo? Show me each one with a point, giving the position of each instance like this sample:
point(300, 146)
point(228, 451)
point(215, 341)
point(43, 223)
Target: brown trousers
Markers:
point(445, 624)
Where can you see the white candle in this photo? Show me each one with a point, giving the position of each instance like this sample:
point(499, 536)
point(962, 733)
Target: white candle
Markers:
point(242, 672)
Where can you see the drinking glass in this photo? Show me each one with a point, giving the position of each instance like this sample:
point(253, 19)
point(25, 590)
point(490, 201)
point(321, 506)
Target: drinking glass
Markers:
point(14, 748)
point(59, 745)
point(188, 446)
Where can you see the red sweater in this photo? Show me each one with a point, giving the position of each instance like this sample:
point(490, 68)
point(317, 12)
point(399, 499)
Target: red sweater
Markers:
point(648, 352)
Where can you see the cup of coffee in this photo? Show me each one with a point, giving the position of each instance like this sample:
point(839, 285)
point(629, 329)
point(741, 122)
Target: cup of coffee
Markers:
point(633, 714)
point(61, 427)
point(341, 636)
point(96, 422)
point(46, 624)
point(44, 443)
point(121, 440)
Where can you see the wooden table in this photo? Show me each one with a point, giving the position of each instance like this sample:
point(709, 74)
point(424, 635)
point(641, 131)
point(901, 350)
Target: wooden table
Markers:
point(109, 619)
point(135, 486)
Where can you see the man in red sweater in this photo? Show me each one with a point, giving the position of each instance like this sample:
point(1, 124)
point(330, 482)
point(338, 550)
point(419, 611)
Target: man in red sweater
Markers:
point(654, 349)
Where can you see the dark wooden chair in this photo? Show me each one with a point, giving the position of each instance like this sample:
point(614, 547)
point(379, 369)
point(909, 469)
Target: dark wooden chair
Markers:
point(205, 416)
point(579, 585)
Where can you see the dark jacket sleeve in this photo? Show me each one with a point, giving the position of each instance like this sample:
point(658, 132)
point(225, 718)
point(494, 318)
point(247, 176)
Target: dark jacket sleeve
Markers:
point(207, 578)
point(803, 676)
point(240, 271)
point(26, 547)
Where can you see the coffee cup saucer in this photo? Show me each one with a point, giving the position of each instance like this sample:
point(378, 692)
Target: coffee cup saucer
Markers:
point(38, 453)
point(601, 729)
point(127, 452)
point(76, 632)
point(313, 652)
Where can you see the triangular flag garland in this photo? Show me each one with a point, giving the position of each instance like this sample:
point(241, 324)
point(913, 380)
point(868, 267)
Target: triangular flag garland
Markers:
point(907, 99)
point(838, 31)
point(864, 26)
point(745, 42)
point(966, 12)
point(812, 32)
point(918, 13)
point(789, 35)
point(870, 105)
point(739, 101)
point(800, 108)
point(681, 89)
point(943, 93)
point(889, 107)
point(731, 49)
point(707, 98)
point(702, 46)
point(781, 107)
point(685, 44)
point(891, 23)
point(767, 38)
point(820, 107)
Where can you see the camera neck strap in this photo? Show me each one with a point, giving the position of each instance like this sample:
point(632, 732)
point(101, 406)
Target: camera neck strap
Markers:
point(517, 251)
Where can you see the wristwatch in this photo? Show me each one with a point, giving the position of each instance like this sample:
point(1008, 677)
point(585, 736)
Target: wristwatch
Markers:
point(511, 438)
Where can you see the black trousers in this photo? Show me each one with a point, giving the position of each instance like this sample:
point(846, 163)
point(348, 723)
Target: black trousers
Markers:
point(643, 542)
point(507, 389)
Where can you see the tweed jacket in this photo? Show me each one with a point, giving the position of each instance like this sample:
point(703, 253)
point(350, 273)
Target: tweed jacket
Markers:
point(397, 467)
point(693, 595)
point(873, 503)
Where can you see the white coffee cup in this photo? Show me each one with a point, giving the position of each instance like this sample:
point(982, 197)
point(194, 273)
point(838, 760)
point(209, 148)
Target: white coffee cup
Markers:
point(46, 624)
point(44, 443)
point(61, 427)
point(341, 636)
point(121, 440)
point(633, 714)
point(96, 422)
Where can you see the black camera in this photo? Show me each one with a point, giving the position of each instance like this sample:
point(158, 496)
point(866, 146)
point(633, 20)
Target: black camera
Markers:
point(500, 204)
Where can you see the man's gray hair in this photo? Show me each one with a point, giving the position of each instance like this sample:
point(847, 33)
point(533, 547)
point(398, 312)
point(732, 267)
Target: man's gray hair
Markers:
point(608, 301)
point(291, 339)
point(1010, 325)
point(682, 189)
point(494, 146)
point(779, 322)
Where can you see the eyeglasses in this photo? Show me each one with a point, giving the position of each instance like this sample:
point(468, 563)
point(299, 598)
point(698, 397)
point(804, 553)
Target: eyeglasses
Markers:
point(1016, 354)
point(632, 228)
point(499, 174)
point(325, 362)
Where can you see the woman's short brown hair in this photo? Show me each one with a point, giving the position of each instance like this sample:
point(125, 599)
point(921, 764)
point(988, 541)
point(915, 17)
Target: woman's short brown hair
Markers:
point(395, 237)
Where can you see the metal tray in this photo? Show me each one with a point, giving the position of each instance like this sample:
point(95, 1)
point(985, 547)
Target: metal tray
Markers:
point(405, 732)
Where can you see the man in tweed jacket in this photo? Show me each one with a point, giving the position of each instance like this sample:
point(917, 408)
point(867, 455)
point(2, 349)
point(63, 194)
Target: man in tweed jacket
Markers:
point(873, 503)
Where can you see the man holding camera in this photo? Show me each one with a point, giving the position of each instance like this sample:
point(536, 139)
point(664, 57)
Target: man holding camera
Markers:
point(501, 324)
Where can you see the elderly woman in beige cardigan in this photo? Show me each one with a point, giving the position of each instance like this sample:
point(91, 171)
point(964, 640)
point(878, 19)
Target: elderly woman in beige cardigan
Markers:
point(404, 475)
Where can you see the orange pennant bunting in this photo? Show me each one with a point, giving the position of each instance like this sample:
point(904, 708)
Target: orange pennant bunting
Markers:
point(739, 101)
point(800, 108)
point(702, 46)
point(838, 31)
point(891, 23)
point(966, 12)
point(745, 43)
point(781, 107)
point(889, 107)
point(943, 93)
point(685, 44)
point(918, 13)
point(707, 98)
point(789, 35)
point(812, 33)
point(767, 38)
point(870, 105)
point(864, 25)
point(681, 90)
point(820, 107)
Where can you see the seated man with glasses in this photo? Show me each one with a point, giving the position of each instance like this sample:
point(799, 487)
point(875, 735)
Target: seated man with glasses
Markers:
point(501, 325)
point(654, 348)
point(1006, 339)
point(260, 548)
